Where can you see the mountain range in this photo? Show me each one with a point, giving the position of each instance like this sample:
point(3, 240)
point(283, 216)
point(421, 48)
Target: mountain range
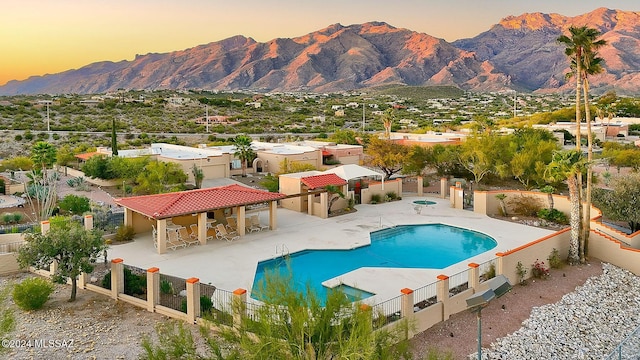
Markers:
point(520, 52)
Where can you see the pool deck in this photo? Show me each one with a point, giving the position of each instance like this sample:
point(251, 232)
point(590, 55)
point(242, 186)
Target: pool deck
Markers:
point(232, 265)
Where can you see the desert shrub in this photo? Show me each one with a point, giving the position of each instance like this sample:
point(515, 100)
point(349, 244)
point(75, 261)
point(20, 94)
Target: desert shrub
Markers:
point(32, 293)
point(75, 204)
point(376, 199)
point(133, 284)
point(390, 196)
point(7, 218)
point(205, 304)
point(522, 273)
point(125, 233)
point(490, 273)
point(17, 217)
point(553, 215)
point(539, 270)
point(166, 287)
point(525, 205)
point(555, 261)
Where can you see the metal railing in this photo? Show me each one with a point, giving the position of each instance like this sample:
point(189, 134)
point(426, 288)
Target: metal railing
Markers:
point(386, 312)
point(458, 282)
point(486, 268)
point(425, 296)
point(135, 284)
point(628, 349)
point(173, 292)
point(97, 276)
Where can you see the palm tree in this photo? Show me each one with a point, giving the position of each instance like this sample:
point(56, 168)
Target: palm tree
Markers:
point(243, 150)
point(568, 165)
point(387, 121)
point(585, 62)
point(581, 49)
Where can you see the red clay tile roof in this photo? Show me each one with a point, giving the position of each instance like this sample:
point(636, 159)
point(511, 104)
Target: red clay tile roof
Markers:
point(88, 155)
point(319, 181)
point(168, 205)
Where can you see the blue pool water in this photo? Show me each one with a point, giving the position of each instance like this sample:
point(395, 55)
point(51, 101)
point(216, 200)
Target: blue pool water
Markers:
point(424, 202)
point(433, 246)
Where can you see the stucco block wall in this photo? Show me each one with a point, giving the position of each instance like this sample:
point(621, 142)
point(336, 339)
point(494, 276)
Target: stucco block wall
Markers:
point(377, 188)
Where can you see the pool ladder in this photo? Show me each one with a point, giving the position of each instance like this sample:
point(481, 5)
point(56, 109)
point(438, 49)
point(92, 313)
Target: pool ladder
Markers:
point(282, 250)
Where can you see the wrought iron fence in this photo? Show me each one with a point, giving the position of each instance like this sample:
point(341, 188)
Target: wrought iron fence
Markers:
point(135, 282)
point(487, 270)
point(424, 297)
point(173, 292)
point(387, 312)
point(628, 349)
point(209, 305)
point(101, 275)
point(458, 282)
point(19, 228)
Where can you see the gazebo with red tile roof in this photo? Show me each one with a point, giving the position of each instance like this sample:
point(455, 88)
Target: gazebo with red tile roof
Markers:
point(319, 181)
point(162, 207)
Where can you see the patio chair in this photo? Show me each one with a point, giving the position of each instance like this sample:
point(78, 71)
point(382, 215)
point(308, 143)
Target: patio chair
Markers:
point(232, 224)
point(249, 227)
point(184, 235)
point(174, 241)
point(255, 222)
point(223, 234)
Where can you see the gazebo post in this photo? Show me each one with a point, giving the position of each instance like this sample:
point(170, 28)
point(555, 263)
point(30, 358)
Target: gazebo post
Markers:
point(162, 236)
point(202, 228)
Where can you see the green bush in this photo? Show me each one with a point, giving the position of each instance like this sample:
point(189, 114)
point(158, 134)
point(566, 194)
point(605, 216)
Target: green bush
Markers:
point(133, 284)
point(32, 293)
point(490, 273)
point(553, 215)
point(376, 199)
point(75, 204)
point(205, 305)
point(390, 196)
point(125, 233)
point(166, 287)
point(555, 261)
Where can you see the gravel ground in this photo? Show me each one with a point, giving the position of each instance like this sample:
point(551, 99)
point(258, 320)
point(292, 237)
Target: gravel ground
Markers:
point(92, 327)
point(504, 315)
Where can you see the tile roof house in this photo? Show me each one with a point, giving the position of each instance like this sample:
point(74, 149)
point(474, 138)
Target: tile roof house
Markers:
point(188, 207)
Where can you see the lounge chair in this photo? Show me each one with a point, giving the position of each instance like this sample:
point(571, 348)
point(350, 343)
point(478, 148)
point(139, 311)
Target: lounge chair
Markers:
point(223, 234)
point(184, 235)
point(174, 241)
point(154, 236)
point(249, 227)
point(232, 224)
point(255, 222)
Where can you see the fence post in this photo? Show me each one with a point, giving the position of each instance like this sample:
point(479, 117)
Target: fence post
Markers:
point(368, 310)
point(499, 264)
point(443, 187)
point(88, 222)
point(117, 277)
point(53, 267)
point(153, 288)
point(238, 307)
point(442, 294)
point(44, 227)
point(193, 299)
point(82, 280)
point(474, 276)
point(406, 309)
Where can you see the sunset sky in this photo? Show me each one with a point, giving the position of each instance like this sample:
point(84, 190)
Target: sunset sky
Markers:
point(48, 36)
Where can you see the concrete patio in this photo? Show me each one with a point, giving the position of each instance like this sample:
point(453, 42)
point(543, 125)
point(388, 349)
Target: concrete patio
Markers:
point(232, 265)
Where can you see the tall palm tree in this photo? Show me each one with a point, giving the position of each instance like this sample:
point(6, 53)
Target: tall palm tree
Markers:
point(244, 152)
point(581, 49)
point(568, 165)
point(592, 65)
point(387, 121)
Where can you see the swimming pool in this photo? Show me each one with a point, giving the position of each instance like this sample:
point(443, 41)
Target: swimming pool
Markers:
point(433, 246)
